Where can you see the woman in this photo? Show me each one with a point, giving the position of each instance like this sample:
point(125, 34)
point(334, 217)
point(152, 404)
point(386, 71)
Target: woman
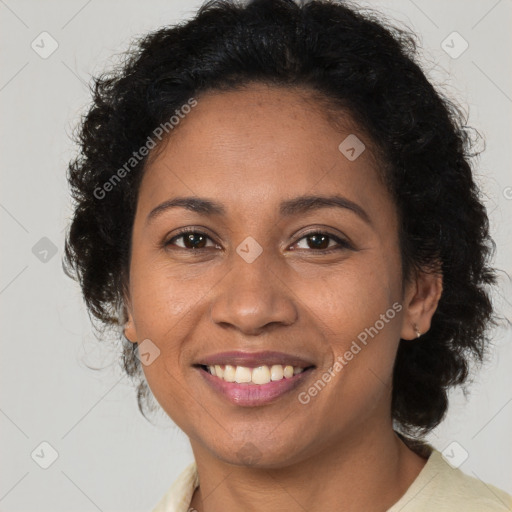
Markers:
point(278, 210)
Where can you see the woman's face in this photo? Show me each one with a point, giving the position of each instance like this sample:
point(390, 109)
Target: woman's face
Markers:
point(253, 278)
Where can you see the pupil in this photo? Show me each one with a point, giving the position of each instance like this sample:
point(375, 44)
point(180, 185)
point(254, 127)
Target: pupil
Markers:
point(322, 240)
point(190, 238)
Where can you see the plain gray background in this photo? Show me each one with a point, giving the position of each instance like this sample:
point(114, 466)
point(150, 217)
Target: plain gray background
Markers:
point(109, 457)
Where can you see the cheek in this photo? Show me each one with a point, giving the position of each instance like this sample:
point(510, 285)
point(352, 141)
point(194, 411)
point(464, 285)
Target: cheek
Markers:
point(352, 297)
point(163, 307)
point(161, 295)
point(358, 310)
point(165, 313)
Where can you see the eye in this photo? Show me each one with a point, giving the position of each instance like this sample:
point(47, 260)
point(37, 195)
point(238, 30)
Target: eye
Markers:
point(191, 238)
point(319, 241)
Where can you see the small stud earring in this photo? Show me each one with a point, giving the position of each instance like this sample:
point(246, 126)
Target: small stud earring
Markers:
point(417, 331)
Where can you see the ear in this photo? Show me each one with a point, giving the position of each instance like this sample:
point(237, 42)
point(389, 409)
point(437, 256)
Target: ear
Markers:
point(129, 330)
point(422, 294)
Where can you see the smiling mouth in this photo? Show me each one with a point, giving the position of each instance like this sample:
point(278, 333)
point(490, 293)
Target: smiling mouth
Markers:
point(256, 376)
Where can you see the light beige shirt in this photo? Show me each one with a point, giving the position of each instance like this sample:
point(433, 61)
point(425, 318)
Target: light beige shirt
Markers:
point(438, 488)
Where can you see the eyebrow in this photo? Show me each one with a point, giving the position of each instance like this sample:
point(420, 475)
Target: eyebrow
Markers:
point(298, 205)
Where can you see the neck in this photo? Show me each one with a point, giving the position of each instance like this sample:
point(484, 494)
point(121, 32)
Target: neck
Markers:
point(369, 471)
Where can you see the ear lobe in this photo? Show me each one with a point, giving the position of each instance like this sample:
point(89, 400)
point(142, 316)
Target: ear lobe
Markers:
point(421, 301)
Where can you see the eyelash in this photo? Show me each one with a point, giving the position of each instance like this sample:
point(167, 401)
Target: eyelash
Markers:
point(343, 244)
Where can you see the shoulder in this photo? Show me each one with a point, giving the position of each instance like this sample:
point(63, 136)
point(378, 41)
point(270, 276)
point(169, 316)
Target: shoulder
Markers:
point(443, 488)
point(179, 495)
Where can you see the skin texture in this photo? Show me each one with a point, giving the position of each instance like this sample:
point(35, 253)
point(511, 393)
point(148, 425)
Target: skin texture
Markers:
point(249, 150)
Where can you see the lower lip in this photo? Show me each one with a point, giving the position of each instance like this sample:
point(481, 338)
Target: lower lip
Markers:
point(251, 395)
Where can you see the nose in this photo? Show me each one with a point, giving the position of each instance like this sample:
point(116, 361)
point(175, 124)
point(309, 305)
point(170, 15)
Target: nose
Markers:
point(253, 298)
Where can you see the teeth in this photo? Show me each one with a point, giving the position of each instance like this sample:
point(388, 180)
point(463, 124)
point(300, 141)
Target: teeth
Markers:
point(242, 374)
point(288, 371)
point(276, 372)
point(259, 375)
point(229, 373)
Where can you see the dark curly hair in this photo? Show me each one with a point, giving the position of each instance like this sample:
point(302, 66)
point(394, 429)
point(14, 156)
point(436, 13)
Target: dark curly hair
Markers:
point(359, 64)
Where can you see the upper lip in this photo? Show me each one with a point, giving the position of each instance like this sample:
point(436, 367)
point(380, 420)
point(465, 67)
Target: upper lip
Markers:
point(254, 359)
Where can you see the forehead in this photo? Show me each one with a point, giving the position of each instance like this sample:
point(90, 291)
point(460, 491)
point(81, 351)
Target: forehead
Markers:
point(256, 146)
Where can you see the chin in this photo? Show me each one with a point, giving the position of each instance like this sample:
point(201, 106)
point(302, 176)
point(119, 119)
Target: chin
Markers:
point(263, 454)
